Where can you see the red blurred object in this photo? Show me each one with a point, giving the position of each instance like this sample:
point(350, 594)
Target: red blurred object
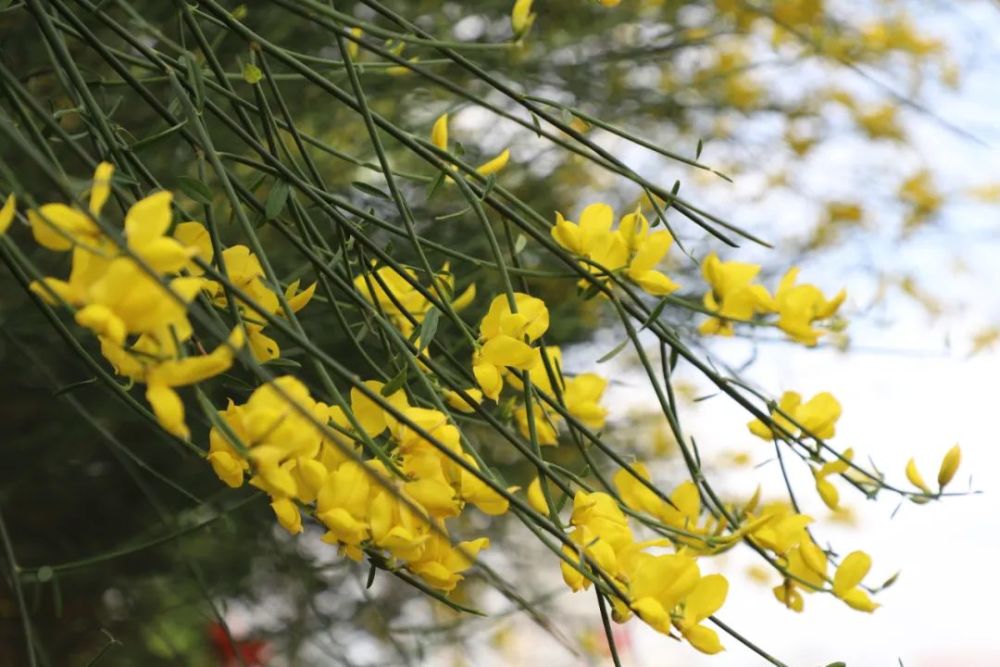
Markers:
point(254, 652)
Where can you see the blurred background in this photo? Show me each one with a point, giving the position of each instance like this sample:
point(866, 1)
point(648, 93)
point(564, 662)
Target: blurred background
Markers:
point(859, 138)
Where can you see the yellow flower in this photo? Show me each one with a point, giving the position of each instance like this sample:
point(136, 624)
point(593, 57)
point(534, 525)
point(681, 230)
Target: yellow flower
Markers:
point(60, 227)
point(733, 296)
point(582, 396)
point(785, 529)
point(788, 404)
point(921, 197)
point(646, 249)
point(504, 333)
point(343, 504)
point(456, 401)
point(592, 239)
point(659, 584)
point(441, 564)
point(800, 305)
point(817, 416)
point(352, 46)
point(545, 424)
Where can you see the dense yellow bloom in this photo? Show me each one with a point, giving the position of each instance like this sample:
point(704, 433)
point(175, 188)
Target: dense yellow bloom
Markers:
point(733, 296)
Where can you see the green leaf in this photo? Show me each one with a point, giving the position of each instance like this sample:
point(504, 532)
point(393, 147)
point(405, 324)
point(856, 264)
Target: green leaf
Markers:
point(276, 200)
point(538, 125)
point(281, 362)
point(614, 352)
point(156, 138)
point(195, 79)
point(370, 190)
point(428, 328)
point(73, 386)
point(436, 184)
point(656, 313)
point(491, 181)
point(195, 189)
point(395, 384)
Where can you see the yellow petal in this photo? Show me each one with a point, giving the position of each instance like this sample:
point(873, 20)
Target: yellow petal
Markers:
point(168, 408)
point(850, 573)
point(916, 479)
point(521, 17)
point(508, 351)
point(704, 639)
point(101, 188)
point(706, 598)
point(949, 466)
point(59, 227)
point(288, 515)
point(439, 133)
point(828, 492)
point(7, 213)
point(148, 219)
point(494, 165)
point(536, 498)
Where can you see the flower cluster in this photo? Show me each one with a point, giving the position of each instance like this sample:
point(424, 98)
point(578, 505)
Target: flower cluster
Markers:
point(132, 289)
point(735, 297)
point(505, 336)
point(580, 395)
point(403, 303)
point(633, 248)
point(306, 454)
point(665, 590)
